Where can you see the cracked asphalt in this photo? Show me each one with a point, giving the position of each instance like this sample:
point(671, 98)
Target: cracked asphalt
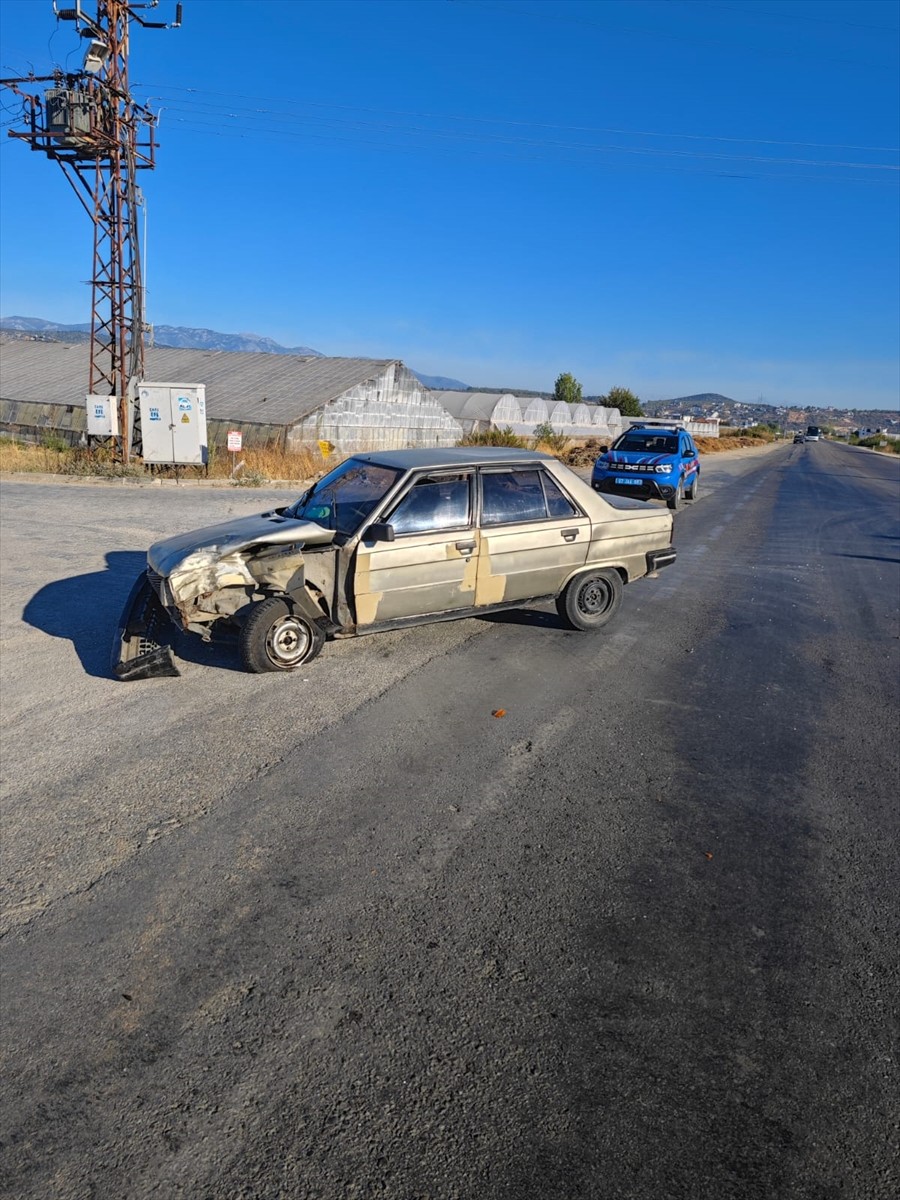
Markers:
point(343, 933)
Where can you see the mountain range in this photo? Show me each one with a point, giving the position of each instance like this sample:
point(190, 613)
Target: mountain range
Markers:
point(703, 404)
point(185, 338)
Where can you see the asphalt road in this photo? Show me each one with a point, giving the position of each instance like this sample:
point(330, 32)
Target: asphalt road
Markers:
point(344, 933)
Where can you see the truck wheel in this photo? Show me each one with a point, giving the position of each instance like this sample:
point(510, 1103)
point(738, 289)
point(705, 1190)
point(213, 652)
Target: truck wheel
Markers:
point(590, 600)
point(678, 499)
point(274, 638)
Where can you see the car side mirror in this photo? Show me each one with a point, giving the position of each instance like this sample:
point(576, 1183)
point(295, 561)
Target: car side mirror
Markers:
point(380, 532)
point(687, 454)
point(604, 449)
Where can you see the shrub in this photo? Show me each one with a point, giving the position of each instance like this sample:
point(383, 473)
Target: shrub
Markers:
point(52, 441)
point(249, 479)
point(493, 437)
point(545, 437)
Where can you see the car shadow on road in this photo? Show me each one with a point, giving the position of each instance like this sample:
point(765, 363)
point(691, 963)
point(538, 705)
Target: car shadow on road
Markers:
point(870, 557)
point(85, 609)
point(533, 617)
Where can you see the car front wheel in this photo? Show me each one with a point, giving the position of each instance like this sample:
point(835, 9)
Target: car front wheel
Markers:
point(692, 494)
point(590, 600)
point(274, 638)
point(678, 499)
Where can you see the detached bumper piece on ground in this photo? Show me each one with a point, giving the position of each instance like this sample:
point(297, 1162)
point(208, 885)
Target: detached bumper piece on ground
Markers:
point(140, 650)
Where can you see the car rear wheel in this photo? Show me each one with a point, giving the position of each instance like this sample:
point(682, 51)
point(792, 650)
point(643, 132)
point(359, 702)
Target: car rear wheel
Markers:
point(590, 600)
point(274, 638)
point(692, 494)
point(678, 499)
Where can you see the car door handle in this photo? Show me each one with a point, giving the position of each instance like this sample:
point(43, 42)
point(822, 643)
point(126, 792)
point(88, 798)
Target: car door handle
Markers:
point(569, 534)
point(466, 548)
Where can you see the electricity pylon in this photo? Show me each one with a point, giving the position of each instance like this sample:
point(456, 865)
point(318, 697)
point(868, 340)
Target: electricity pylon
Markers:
point(88, 122)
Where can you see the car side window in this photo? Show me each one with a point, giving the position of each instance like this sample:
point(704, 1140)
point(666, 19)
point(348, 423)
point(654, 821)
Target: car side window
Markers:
point(434, 502)
point(558, 504)
point(511, 496)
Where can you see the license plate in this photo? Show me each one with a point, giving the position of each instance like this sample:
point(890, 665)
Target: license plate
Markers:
point(630, 482)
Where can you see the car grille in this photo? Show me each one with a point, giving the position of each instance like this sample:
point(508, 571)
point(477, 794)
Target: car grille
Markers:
point(158, 583)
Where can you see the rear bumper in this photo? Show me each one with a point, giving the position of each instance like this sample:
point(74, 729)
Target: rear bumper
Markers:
point(657, 559)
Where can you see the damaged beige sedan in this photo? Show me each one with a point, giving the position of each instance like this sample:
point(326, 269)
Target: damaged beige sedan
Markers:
point(387, 540)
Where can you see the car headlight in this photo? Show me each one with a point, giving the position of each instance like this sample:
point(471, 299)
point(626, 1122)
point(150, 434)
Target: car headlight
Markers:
point(664, 469)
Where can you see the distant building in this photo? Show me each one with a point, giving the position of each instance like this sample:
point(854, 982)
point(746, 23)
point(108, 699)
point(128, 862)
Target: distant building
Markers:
point(696, 426)
point(273, 399)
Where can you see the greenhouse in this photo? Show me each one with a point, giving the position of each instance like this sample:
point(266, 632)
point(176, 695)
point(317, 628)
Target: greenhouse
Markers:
point(480, 411)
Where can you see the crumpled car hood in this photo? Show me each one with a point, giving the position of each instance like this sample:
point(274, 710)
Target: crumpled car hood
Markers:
point(230, 537)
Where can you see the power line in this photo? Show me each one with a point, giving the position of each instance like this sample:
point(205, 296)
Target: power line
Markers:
point(416, 131)
point(216, 129)
point(519, 124)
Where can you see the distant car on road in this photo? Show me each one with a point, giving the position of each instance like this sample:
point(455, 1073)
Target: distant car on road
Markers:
point(799, 438)
point(650, 463)
point(389, 540)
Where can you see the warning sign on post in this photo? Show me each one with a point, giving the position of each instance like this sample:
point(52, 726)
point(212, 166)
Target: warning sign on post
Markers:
point(235, 440)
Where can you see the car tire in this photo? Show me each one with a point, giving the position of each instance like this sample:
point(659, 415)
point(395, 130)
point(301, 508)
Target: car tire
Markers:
point(276, 638)
point(678, 499)
point(591, 599)
point(692, 494)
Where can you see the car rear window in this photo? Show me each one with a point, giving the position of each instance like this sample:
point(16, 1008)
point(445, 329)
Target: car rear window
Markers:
point(509, 496)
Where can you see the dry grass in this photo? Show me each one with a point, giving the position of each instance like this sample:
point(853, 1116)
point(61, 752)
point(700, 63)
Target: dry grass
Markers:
point(260, 465)
point(20, 456)
point(269, 463)
point(716, 445)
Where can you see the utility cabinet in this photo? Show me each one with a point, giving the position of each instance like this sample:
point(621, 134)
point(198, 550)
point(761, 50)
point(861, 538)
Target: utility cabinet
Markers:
point(173, 423)
point(102, 416)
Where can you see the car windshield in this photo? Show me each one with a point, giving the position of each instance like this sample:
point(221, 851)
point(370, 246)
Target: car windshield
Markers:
point(647, 443)
point(345, 497)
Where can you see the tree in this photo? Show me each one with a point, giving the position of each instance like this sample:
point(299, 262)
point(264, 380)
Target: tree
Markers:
point(567, 388)
point(624, 400)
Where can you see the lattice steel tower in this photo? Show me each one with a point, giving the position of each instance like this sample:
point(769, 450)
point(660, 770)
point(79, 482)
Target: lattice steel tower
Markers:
point(88, 122)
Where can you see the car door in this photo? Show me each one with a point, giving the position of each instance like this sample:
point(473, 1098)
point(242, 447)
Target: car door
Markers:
point(532, 535)
point(429, 566)
point(690, 462)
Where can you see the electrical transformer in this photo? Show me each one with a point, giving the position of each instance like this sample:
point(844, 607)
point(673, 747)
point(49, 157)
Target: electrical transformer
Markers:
point(173, 423)
point(68, 117)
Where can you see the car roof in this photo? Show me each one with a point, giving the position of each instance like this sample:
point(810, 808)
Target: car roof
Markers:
point(452, 456)
point(664, 429)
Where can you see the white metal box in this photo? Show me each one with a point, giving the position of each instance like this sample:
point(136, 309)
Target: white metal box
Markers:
point(173, 423)
point(102, 416)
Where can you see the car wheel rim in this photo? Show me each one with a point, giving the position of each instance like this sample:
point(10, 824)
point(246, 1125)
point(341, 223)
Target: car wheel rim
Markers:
point(287, 642)
point(593, 598)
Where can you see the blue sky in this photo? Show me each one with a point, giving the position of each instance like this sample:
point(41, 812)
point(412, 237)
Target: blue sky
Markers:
point(666, 195)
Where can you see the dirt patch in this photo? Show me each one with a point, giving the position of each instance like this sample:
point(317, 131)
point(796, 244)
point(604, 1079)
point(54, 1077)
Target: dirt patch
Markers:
point(583, 455)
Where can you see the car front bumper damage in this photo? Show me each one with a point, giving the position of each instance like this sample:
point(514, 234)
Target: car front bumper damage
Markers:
point(141, 649)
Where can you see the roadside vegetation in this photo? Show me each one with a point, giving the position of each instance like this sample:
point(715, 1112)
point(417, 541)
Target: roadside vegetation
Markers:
point(878, 441)
point(54, 456)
